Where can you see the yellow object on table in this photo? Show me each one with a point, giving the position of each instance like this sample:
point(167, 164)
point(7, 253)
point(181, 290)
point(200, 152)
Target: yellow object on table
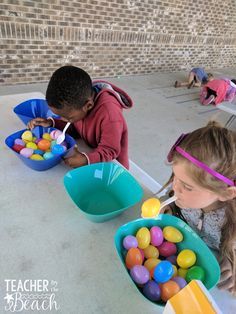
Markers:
point(193, 298)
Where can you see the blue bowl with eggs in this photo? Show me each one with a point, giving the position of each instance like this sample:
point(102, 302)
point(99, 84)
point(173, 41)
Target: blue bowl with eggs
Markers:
point(102, 190)
point(205, 258)
point(40, 165)
point(33, 108)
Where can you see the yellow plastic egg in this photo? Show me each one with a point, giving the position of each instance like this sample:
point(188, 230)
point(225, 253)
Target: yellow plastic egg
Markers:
point(143, 236)
point(31, 145)
point(186, 258)
point(47, 136)
point(172, 234)
point(150, 208)
point(36, 157)
point(182, 272)
point(27, 136)
point(175, 271)
point(151, 251)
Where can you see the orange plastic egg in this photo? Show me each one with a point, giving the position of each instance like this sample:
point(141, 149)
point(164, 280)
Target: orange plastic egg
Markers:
point(169, 289)
point(133, 257)
point(44, 144)
point(151, 263)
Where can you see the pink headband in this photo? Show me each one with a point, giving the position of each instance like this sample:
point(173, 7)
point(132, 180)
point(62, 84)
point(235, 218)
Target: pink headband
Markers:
point(197, 162)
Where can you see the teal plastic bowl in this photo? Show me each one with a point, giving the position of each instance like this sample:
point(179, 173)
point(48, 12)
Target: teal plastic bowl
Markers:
point(103, 190)
point(205, 258)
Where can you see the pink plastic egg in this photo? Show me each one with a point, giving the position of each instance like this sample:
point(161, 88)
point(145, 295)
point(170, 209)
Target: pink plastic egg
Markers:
point(167, 249)
point(156, 236)
point(26, 152)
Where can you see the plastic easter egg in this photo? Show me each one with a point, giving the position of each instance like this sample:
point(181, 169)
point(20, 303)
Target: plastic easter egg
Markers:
point(55, 134)
point(143, 237)
point(52, 134)
point(58, 149)
point(34, 139)
point(48, 155)
point(150, 208)
point(182, 272)
point(172, 234)
point(195, 272)
point(37, 140)
point(151, 263)
point(156, 236)
point(39, 152)
point(31, 145)
point(47, 136)
point(139, 274)
point(175, 273)
point(180, 281)
point(163, 272)
point(151, 251)
point(44, 144)
point(152, 291)
point(167, 249)
point(133, 257)
point(129, 242)
point(17, 148)
point(36, 157)
point(142, 254)
point(168, 290)
point(27, 152)
point(186, 258)
point(53, 143)
point(172, 259)
point(19, 141)
point(27, 136)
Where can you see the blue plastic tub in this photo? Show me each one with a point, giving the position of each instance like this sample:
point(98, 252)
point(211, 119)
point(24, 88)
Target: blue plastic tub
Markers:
point(39, 165)
point(33, 108)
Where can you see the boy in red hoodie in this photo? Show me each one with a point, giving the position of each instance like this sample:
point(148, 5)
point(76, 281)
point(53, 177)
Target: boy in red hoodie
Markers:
point(95, 112)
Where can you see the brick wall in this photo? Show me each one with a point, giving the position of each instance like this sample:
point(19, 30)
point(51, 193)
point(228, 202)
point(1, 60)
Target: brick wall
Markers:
point(113, 37)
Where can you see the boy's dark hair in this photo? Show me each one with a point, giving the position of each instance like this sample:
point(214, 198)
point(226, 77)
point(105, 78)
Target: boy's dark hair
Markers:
point(69, 86)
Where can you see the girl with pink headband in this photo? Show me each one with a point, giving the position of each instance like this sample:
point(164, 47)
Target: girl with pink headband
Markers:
point(204, 182)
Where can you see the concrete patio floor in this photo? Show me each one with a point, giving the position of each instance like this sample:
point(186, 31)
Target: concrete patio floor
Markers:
point(55, 241)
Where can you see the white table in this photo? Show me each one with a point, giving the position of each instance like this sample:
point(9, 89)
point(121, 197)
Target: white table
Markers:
point(229, 107)
point(45, 236)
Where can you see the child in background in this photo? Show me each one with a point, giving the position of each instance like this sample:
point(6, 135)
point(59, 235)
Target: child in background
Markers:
point(218, 90)
point(95, 112)
point(204, 182)
point(197, 77)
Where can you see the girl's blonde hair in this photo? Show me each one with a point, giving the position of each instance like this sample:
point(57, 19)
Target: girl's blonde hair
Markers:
point(216, 147)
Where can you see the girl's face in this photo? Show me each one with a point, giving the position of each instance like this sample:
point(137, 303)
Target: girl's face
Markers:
point(188, 193)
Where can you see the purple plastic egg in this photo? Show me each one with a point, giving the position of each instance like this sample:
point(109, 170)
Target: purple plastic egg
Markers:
point(152, 291)
point(129, 242)
point(167, 249)
point(27, 152)
point(139, 274)
point(181, 282)
point(156, 236)
point(172, 259)
point(19, 141)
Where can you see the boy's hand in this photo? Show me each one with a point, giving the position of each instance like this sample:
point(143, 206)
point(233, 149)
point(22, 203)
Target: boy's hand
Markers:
point(76, 160)
point(39, 121)
point(227, 279)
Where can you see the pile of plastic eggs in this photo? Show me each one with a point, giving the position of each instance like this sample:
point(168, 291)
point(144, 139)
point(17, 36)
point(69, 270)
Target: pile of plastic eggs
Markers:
point(39, 148)
point(156, 265)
